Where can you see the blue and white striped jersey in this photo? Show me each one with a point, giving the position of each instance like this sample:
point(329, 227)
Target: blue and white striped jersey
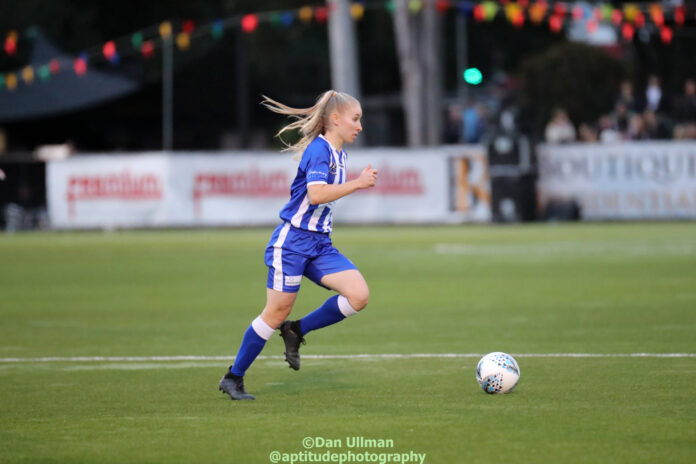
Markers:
point(321, 164)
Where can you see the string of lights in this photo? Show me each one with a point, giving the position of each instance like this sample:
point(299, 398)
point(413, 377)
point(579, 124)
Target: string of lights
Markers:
point(627, 19)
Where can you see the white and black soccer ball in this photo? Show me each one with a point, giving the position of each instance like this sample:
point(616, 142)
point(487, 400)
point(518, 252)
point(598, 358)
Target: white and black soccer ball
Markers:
point(497, 372)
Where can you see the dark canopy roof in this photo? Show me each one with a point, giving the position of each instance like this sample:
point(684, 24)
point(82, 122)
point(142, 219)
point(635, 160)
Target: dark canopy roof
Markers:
point(63, 92)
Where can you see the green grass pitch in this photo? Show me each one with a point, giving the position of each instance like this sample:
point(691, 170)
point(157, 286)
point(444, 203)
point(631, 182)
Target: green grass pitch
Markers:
point(537, 289)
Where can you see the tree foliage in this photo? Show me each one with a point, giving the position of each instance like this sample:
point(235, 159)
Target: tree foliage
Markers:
point(581, 79)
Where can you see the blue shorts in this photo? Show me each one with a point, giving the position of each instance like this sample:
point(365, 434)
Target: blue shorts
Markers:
point(292, 253)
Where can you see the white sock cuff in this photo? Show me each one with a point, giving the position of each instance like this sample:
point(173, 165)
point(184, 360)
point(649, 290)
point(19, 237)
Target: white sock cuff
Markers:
point(262, 329)
point(345, 307)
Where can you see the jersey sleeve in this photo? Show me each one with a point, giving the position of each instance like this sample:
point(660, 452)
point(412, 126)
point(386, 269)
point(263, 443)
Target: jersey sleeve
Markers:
point(317, 167)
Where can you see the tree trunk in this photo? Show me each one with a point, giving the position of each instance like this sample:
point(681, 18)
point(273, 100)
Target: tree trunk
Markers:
point(432, 68)
point(345, 69)
point(411, 73)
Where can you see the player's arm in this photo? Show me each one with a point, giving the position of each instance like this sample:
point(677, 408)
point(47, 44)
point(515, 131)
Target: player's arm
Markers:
point(326, 193)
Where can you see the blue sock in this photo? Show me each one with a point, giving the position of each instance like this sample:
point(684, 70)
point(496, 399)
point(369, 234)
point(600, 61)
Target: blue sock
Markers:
point(252, 344)
point(323, 316)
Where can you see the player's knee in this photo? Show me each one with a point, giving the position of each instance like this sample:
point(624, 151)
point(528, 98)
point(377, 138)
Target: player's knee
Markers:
point(276, 313)
point(359, 298)
point(282, 309)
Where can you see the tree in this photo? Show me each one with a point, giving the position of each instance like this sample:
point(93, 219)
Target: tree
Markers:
point(342, 46)
point(417, 41)
point(581, 79)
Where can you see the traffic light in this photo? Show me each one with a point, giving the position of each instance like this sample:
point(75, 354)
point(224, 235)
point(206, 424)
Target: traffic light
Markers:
point(473, 76)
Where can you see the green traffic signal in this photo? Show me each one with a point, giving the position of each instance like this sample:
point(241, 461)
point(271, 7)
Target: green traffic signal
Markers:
point(473, 76)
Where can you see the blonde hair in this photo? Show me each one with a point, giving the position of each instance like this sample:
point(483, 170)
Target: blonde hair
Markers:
point(311, 121)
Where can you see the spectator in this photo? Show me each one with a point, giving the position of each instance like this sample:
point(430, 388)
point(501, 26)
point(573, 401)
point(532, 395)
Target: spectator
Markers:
point(654, 97)
point(453, 127)
point(608, 132)
point(685, 106)
point(636, 128)
point(560, 129)
point(684, 131)
point(626, 96)
point(475, 123)
point(621, 119)
point(685, 112)
point(655, 127)
point(587, 133)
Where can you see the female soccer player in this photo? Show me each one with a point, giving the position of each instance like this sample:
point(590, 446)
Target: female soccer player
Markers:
point(301, 244)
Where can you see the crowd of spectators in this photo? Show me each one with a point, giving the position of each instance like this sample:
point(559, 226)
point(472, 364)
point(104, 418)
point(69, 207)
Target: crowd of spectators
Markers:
point(648, 115)
point(466, 123)
point(470, 120)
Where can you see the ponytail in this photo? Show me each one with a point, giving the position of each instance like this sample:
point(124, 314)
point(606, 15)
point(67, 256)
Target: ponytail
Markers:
point(311, 121)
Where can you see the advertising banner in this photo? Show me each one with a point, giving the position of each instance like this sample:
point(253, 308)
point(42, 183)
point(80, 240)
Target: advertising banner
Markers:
point(107, 191)
point(644, 180)
point(218, 190)
point(244, 189)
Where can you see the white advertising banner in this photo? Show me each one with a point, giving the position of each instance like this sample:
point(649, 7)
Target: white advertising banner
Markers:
point(229, 189)
point(411, 187)
point(642, 180)
point(252, 189)
point(107, 191)
point(195, 189)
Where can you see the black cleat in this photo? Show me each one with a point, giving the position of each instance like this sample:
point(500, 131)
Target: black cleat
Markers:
point(292, 337)
point(233, 385)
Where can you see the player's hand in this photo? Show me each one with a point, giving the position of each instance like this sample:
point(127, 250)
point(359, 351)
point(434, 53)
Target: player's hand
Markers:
point(368, 178)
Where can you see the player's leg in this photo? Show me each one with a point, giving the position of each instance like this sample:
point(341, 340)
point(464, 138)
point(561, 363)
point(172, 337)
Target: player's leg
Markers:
point(285, 270)
point(335, 272)
point(351, 285)
point(353, 296)
point(277, 309)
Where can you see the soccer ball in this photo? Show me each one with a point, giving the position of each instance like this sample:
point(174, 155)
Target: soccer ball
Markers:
point(497, 372)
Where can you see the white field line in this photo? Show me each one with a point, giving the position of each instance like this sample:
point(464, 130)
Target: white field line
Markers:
point(556, 248)
point(80, 359)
